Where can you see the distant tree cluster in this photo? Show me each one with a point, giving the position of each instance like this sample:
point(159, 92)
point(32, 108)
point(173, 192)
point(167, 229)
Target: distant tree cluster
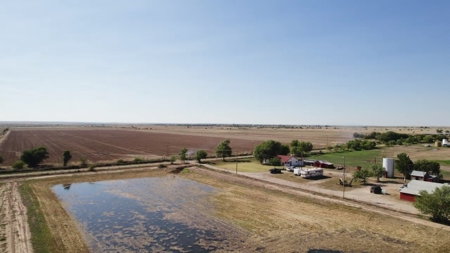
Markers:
point(391, 138)
point(360, 145)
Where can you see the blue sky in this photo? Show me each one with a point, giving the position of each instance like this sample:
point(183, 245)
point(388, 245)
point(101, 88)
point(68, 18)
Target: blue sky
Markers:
point(251, 62)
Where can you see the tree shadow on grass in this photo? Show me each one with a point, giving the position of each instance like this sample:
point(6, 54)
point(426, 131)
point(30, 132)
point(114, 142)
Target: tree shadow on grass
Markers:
point(390, 182)
point(318, 178)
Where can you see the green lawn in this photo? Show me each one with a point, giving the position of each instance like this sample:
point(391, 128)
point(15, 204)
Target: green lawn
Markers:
point(364, 158)
point(443, 162)
point(244, 165)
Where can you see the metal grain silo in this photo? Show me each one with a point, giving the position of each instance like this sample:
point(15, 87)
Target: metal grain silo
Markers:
point(388, 165)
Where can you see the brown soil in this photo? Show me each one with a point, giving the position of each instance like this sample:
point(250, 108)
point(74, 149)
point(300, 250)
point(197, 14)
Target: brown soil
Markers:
point(14, 230)
point(277, 221)
point(107, 145)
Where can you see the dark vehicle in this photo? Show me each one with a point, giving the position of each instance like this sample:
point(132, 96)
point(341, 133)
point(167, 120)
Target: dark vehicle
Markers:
point(275, 171)
point(376, 189)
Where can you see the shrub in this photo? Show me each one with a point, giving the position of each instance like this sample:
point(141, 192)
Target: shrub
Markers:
point(83, 162)
point(275, 161)
point(18, 165)
point(92, 167)
point(120, 162)
point(138, 160)
point(33, 157)
point(173, 159)
point(161, 166)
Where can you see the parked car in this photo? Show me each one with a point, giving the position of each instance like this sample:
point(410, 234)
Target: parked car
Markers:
point(376, 189)
point(339, 168)
point(290, 168)
point(275, 171)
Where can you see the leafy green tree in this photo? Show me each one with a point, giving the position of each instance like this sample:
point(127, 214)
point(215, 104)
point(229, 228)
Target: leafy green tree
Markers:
point(298, 148)
point(362, 175)
point(200, 154)
point(267, 150)
point(183, 154)
point(33, 157)
point(306, 147)
point(294, 143)
point(284, 149)
point(18, 165)
point(404, 165)
point(436, 204)
point(275, 161)
point(173, 159)
point(223, 149)
point(66, 157)
point(428, 166)
point(378, 171)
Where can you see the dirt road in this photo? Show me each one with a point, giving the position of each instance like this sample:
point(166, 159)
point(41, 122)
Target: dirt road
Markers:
point(360, 195)
point(14, 231)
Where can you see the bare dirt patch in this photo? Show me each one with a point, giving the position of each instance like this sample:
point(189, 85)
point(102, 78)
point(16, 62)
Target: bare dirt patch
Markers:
point(14, 231)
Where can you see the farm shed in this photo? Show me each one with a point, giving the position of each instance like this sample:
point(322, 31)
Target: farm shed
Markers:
point(309, 162)
point(289, 160)
point(324, 164)
point(419, 175)
point(411, 191)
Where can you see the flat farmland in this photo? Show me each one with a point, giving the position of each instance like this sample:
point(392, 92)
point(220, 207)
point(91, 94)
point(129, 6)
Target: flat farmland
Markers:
point(107, 145)
point(99, 144)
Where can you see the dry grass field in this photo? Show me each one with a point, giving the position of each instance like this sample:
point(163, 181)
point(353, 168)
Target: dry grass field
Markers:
point(276, 221)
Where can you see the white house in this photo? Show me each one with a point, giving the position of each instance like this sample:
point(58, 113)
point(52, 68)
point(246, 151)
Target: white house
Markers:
point(289, 161)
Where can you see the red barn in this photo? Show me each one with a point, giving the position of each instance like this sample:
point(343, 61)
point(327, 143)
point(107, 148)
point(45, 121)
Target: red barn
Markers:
point(411, 191)
point(323, 164)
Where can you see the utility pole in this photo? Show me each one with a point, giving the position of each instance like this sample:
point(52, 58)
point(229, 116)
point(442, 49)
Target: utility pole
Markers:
point(343, 189)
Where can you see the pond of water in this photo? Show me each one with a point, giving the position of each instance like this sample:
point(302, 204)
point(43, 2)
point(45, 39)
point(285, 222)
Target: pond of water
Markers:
point(170, 214)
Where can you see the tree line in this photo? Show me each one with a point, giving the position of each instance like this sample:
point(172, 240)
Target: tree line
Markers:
point(392, 138)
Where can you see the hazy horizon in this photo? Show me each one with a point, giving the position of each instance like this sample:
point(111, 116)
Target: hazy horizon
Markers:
point(375, 63)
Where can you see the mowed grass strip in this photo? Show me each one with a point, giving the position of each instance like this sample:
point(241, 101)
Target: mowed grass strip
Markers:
point(363, 158)
point(443, 162)
point(41, 237)
point(243, 165)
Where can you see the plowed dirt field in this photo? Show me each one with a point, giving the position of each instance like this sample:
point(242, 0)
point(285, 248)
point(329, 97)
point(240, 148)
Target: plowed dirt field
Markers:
point(107, 145)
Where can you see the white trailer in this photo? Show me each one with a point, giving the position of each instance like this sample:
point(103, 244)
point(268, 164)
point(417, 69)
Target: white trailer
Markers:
point(445, 143)
point(308, 173)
